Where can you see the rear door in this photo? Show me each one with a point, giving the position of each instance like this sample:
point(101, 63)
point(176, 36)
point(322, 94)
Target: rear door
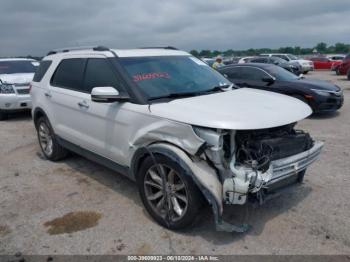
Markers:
point(66, 91)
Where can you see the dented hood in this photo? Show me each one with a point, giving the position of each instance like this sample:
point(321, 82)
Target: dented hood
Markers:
point(237, 109)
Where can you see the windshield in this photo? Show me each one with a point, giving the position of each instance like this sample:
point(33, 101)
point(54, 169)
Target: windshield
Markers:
point(164, 75)
point(293, 57)
point(280, 73)
point(17, 66)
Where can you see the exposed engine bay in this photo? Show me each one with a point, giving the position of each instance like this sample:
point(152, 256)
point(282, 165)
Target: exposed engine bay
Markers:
point(257, 148)
point(246, 159)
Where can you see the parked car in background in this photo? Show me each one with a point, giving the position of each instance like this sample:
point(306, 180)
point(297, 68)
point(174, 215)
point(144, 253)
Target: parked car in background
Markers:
point(338, 57)
point(15, 77)
point(294, 68)
point(306, 65)
point(344, 67)
point(175, 126)
point(325, 62)
point(243, 60)
point(321, 96)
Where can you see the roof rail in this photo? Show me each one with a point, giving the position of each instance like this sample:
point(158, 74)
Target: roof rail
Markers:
point(159, 47)
point(76, 48)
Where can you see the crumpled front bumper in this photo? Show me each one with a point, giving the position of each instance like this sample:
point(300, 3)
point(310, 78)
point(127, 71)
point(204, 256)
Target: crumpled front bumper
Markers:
point(284, 168)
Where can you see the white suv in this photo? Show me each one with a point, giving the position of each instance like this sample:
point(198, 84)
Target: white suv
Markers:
point(168, 121)
point(15, 76)
point(306, 65)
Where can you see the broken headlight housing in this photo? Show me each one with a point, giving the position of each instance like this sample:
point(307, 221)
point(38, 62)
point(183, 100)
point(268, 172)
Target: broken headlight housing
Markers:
point(6, 88)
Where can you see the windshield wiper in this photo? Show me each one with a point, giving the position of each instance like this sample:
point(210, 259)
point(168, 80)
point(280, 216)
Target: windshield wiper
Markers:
point(174, 95)
point(196, 93)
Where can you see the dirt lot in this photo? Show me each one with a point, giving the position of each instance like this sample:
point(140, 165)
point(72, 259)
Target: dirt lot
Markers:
point(78, 207)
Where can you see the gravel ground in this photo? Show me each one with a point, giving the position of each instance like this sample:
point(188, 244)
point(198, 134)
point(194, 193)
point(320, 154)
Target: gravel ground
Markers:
point(78, 207)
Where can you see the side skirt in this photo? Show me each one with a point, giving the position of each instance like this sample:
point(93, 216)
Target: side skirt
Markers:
point(124, 170)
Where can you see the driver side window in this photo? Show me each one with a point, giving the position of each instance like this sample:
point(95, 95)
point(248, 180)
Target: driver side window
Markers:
point(99, 73)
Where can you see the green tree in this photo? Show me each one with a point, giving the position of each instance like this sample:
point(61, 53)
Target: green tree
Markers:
point(194, 53)
point(205, 53)
point(341, 48)
point(321, 47)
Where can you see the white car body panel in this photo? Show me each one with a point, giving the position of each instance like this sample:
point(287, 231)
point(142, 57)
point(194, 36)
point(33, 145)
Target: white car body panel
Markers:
point(238, 109)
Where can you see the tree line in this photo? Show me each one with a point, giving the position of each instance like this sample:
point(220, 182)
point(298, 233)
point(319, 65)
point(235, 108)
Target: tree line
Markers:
point(320, 48)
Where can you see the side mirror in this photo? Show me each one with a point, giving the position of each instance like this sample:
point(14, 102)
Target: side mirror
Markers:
point(268, 79)
point(107, 94)
point(301, 76)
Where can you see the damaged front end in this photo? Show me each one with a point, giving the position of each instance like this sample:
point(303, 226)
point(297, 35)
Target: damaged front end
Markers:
point(251, 163)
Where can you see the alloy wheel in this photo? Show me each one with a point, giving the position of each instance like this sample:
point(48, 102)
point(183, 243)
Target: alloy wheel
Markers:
point(166, 192)
point(45, 138)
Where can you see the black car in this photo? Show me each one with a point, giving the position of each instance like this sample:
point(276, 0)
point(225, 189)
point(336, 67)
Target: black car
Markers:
point(321, 96)
point(292, 67)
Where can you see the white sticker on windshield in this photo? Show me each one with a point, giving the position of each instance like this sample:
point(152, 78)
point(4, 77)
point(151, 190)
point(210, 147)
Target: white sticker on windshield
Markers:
point(35, 63)
point(198, 61)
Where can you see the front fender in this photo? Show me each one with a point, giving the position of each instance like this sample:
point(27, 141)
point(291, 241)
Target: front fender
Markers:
point(202, 174)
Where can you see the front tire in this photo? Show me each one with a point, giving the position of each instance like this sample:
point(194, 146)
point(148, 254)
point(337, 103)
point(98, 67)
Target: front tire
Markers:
point(49, 145)
point(301, 175)
point(168, 193)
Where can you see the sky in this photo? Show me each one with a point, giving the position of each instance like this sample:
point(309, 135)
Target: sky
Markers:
point(36, 26)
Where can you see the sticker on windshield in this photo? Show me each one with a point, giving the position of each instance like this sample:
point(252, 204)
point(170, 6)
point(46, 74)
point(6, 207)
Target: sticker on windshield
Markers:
point(35, 63)
point(198, 61)
point(148, 76)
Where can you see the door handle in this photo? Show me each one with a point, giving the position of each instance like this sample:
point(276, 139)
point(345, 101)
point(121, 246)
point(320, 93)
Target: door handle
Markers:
point(48, 95)
point(83, 104)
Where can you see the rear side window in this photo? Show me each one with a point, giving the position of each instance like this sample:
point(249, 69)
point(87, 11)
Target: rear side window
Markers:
point(41, 71)
point(252, 73)
point(99, 73)
point(69, 74)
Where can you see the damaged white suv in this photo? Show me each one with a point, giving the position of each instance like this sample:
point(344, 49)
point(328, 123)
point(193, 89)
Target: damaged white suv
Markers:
point(174, 125)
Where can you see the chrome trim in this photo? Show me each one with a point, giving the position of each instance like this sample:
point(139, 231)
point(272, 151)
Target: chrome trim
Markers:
point(283, 168)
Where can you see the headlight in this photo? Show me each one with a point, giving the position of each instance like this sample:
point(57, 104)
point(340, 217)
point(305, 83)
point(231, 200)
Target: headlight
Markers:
point(211, 137)
point(6, 89)
point(321, 92)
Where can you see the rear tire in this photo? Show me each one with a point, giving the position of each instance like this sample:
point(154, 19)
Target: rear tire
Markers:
point(174, 206)
point(49, 145)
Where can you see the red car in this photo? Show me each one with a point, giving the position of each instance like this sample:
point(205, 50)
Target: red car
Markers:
point(325, 62)
point(344, 67)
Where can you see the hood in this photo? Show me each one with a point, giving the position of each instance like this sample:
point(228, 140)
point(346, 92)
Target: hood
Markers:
point(238, 109)
point(21, 78)
point(316, 84)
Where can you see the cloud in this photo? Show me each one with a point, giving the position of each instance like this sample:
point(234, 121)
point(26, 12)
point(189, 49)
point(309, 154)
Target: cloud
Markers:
point(36, 26)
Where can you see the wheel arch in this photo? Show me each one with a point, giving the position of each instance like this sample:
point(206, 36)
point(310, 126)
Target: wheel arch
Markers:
point(37, 114)
point(204, 176)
